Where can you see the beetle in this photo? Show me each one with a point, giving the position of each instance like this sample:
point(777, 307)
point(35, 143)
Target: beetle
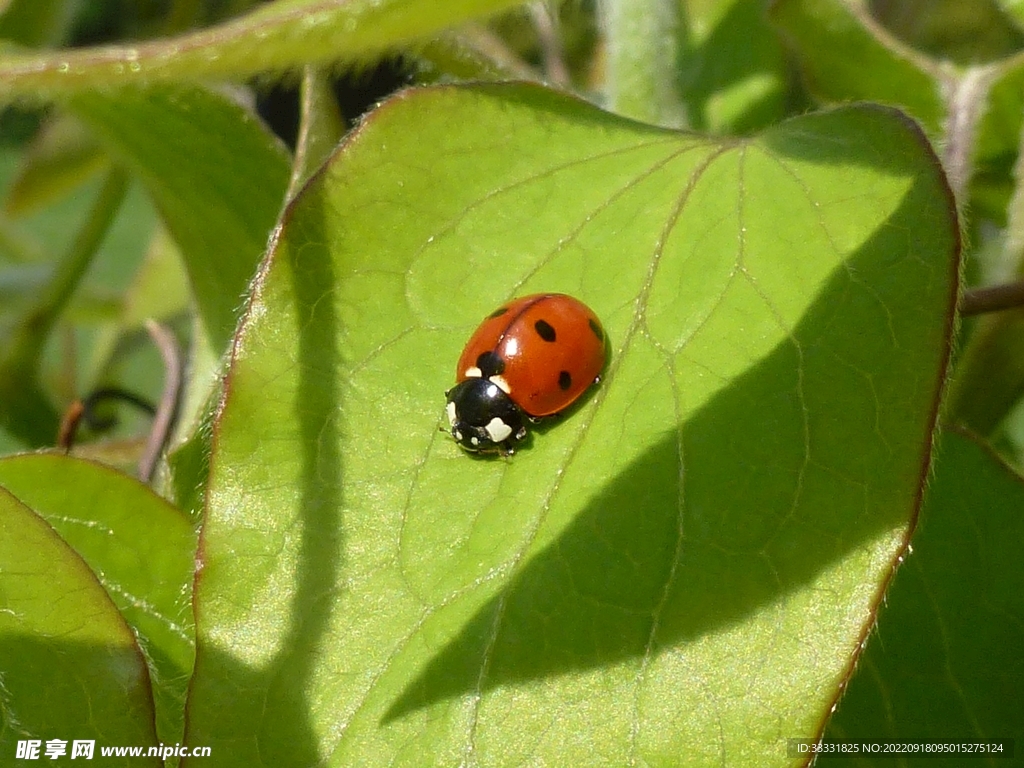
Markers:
point(532, 357)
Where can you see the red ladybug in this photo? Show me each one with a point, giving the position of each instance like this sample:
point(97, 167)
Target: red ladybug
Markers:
point(532, 357)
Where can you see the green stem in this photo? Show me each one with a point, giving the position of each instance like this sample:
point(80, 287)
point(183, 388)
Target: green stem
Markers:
point(642, 40)
point(35, 327)
point(321, 125)
point(966, 97)
point(273, 37)
point(989, 376)
point(545, 24)
point(23, 408)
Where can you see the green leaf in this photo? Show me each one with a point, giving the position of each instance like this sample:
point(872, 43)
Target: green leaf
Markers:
point(36, 22)
point(70, 665)
point(844, 56)
point(141, 551)
point(999, 132)
point(95, 299)
point(279, 35)
point(962, 32)
point(734, 70)
point(42, 233)
point(995, 150)
point(219, 204)
point(59, 159)
point(473, 53)
point(24, 407)
point(685, 563)
point(158, 291)
point(1014, 9)
point(946, 662)
point(989, 376)
point(188, 456)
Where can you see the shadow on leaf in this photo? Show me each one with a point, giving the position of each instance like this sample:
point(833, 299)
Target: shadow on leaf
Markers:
point(803, 459)
point(268, 707)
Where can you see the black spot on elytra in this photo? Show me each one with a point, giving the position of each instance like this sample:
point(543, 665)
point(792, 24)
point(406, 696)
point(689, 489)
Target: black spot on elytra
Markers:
point(544, 330)
point(596, 328)
point(564, 380)
point(497, 313)
point(490, 364)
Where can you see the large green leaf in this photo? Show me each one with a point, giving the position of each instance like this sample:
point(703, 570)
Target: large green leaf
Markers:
point(946, 661)
point(70, 665)
point(686, 563)
point(140, 548)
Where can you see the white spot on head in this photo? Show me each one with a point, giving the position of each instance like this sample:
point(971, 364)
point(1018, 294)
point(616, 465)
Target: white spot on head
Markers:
point(492, 391)
point(502, 384)
point(498, 430)
point(457, 435)
point(473, 372)
point(474, 440)
point(452, 415)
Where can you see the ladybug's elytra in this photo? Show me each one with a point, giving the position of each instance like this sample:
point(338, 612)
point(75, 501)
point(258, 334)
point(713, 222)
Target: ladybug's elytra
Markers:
point(530, 358)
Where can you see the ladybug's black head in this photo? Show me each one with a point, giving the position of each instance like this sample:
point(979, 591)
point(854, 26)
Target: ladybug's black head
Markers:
point(483, 418)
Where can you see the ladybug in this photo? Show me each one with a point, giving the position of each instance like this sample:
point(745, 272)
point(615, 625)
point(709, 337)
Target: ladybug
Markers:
point(530, 358)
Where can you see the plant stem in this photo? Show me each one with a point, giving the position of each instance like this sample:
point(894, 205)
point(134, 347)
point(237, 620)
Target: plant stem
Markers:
point(966, 98)
point(272, 37)
point(545, 23)
point(321, 125)
point(24, 409)
point(642, 40)
point(35, 327)
point(989, 375)
point(1013, 246)
point(168, 407)
point(995, 298)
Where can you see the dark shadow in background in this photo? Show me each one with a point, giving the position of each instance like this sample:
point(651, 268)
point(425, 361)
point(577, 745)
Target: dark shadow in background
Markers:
point(589, 599)
point(268, 707)
point(358, 90)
